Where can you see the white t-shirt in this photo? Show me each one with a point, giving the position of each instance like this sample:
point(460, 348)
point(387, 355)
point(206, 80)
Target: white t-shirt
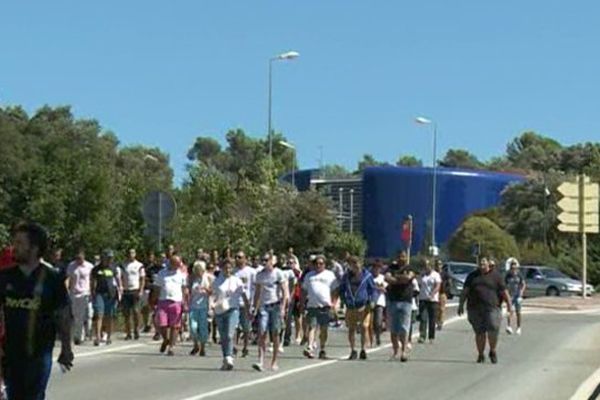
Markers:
point(270, 282)
point(318, 286)
point(380, 281)
point(416, 288)
point(132, 272)
point(427, 284)
point(79, 276)
point(199, 297)
point(171, 283)
point(230, 289)
point(290, 277)
point(247, 275)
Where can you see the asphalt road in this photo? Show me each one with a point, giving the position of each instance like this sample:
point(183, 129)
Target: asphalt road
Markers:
point(555, 354)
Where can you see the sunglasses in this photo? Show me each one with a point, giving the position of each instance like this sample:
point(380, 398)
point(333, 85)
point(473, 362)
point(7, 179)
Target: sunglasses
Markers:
point(239, 257)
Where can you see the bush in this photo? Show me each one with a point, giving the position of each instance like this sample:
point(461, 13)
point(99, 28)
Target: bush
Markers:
point(479, 230)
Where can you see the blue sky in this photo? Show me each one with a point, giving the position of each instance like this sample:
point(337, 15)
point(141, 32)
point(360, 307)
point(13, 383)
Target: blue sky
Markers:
point(163, 73)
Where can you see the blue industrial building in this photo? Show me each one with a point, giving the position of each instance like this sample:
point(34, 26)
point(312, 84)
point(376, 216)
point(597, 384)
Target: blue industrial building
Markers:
point(387, 195)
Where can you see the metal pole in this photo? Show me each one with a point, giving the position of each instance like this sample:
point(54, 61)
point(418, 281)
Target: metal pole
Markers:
point(340, 206)
point(351, 210)
point(269, 130)
point(434, 189)
point(583, 234)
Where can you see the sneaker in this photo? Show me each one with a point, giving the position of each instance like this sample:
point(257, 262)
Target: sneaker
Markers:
point(378, 342)
point(147, 329)
point(244, 353)
point(156, 336)
point(493, 357)
point(286, 343)
point(353, 355)
point(509, 330)
point(195, 351)
point(308, 354)
point(363, 355)
point(518, 331)
point(409, 346)
point(136, 336)
point(77, 342)
point(128, 337)
point(480, 359)
point(298, 341)
point(322, 355)
point(202, 353)
point(281, 349)
point(96, 342)
point(421, 340)
point(404, 357)
point(258, 367)
point(229, 363)
point(163, 346)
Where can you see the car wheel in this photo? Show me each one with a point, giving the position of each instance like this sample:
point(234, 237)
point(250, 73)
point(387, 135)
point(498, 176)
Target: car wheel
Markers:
point(552, 291)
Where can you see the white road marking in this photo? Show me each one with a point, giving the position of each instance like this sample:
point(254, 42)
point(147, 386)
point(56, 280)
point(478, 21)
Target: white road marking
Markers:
point(586, 389)
point(292, 371)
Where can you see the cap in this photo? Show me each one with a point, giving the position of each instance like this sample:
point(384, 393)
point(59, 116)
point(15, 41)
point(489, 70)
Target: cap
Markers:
point(108, 253)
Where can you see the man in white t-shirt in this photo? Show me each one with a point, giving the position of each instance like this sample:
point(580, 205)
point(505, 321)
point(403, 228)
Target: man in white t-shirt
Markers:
point(247, 275)
point(172, 285)
point(429, 288)
point(78, 284)
point(134, 278)
point(380, 302)
point(318, 289)
point(270, 306)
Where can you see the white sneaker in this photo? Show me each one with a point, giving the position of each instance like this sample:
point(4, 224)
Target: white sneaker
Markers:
point(509, 330)
point(518, 331)
point(229, 362)
point(281, 349)
point(258, 367)
point(270, 348)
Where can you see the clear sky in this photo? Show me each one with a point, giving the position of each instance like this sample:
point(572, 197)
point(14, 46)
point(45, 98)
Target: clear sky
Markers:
point(161, 73)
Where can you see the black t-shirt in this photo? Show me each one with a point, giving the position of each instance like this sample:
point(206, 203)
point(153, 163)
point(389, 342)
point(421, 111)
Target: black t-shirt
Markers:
point(106, 280)
point(484, 290)
point(30, 304)
point(151, 271)
point(400, 291)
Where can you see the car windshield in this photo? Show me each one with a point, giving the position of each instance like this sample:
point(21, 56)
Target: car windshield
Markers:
point(554, 274)
point(462, 269)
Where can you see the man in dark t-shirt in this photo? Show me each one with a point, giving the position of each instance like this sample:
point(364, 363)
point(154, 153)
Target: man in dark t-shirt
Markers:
point(484, 290)
point(36, 308)
point(105, 292)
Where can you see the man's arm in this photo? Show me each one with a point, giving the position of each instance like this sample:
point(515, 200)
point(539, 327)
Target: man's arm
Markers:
point(506, 296)
point(461, 302)
point(257, 293)
point(285, 298)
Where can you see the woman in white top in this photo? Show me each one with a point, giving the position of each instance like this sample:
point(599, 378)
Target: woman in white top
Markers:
point(377, 324)
point(200, 287)
point(227, 291)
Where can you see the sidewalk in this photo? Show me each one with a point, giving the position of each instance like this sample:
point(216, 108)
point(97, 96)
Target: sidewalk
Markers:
point(573, 303)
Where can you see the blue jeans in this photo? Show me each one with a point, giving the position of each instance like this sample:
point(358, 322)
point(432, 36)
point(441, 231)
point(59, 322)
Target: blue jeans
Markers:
point(199, 324)
point(227, 324)
point(27, 379)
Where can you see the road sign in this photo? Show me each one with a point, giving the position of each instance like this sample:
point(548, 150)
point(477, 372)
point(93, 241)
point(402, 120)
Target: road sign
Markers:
point(158, 209)
point(580, 213)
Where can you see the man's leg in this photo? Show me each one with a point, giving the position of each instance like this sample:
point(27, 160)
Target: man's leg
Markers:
point(136, 317)
point(351, 323)
point(518, 318)
point(79, 306)
point(441, 312)
point(323, 335)
point(127, 317)
point(395, 343)
point(365, 329)
point(432, 312)
point(423, 320)
point(480, 342)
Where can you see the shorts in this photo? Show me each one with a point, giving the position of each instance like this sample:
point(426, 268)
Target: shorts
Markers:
point(356, 317)
point(245, 324)
point(485, 321)
point(131, 301)
point(104, 305)
point(318, 316)
point(270, 318)
point(168, 314)
point(517, 302)
point(399, 317)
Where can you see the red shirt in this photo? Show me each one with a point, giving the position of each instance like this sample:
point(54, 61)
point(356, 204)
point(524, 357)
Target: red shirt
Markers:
point(7, 258)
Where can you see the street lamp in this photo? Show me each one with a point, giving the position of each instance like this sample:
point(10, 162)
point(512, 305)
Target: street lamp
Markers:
point(290, 55)
point(293, 148)
point(427, 121)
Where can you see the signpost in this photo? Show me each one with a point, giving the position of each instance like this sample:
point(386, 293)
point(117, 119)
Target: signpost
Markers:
point(579, 214)
point(158, 209)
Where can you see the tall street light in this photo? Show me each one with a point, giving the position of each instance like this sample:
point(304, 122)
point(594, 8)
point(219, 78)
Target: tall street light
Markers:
point(293, 148)
point(290, 55)
point(427, 121)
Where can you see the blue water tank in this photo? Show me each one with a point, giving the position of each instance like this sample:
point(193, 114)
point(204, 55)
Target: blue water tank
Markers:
point(390, 194)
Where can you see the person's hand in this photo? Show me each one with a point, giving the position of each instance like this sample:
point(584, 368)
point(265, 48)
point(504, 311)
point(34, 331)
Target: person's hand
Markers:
point(65, 359)
point(461, 310)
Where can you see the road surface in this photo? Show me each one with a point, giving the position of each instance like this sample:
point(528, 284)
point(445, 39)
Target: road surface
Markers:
point(556, 353)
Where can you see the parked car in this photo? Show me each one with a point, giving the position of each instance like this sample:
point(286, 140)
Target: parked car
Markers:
point(549, 281)
point(457, 274)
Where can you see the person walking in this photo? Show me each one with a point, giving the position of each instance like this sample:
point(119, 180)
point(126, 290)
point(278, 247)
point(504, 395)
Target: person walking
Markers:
point(79, 273)
point(151, 269)
point(172, 293)
point(228, 289)
point(429, 287)
point(247, 275)
point(380, 303)
point(358, 292)
point(516, 288)
point(134, 279)
point(270, 305)
point(318, 289)
point(484, 290)
point(200, 288)
point(105, 288)
point(400, 278)
point(36, 307)
point(443, 294)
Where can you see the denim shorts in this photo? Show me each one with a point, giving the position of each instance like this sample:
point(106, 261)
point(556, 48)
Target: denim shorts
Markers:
point(399, 315)
point(245, 324)
point(104, 305)
point(270, 318)
point(318, 316)
point(517, 302)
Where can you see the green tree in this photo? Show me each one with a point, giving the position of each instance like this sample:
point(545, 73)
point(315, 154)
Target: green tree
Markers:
point(333, 171)
point(459, 158)
point(531, 151)
point(369, 161)
point(478, 230)
point(409, 161)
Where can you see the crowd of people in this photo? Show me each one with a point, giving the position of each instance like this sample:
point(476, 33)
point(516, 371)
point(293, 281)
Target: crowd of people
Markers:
point(269, 301)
